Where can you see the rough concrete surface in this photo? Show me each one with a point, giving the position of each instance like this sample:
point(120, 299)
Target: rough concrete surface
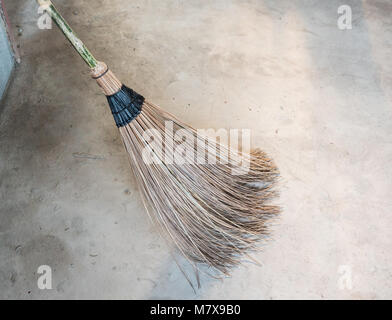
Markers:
point(317, 99)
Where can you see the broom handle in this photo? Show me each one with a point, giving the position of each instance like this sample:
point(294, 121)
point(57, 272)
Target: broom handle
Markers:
point(48, 6)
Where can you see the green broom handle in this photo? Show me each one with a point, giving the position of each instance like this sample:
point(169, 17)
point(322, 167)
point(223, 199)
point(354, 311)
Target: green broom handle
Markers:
point(48, 6)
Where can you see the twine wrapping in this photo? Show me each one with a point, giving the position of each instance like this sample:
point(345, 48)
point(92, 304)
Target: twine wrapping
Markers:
point(106, 79)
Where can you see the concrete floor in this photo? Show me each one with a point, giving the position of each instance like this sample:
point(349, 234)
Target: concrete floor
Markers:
point(317, 99)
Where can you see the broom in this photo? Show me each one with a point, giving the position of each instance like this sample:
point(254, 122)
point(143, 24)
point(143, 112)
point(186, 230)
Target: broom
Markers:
point(214, 210)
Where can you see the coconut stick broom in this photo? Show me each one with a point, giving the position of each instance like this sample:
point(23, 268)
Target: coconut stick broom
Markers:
point(213, 211)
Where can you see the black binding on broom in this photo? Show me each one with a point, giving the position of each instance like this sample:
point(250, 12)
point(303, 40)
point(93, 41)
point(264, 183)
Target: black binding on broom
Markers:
point(126, 105)
point(100, 76)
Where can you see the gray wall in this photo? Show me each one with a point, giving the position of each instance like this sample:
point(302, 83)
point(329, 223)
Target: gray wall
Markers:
point(6, 59)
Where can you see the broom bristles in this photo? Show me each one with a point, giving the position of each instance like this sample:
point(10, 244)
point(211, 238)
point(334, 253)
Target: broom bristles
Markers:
point(211, 201)
point(213, 216)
